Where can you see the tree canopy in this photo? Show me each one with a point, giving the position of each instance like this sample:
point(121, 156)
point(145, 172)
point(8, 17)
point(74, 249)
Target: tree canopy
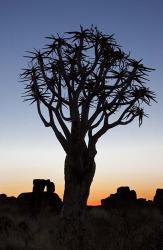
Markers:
point(84, 84)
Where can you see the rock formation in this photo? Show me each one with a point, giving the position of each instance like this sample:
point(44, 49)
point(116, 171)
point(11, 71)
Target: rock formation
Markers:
point(3, 196)
point(50, 187)
point(158, 199)
point(40, 199)
point(122, 198)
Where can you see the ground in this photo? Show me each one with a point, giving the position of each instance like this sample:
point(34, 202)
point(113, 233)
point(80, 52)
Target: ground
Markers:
point(134, 228)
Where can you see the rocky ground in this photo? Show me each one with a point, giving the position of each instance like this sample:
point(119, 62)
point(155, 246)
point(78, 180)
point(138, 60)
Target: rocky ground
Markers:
point(134, 228)
point(123, 222)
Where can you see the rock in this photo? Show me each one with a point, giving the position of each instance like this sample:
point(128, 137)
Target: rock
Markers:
point(39, 185)
point(141, 202)
point(50, 187)
point(158, 199)
point(35, 201)
point(52, 201)
point(122, 198)
point(123, 191)
point(26, 200)
point(38, 199)
point(109, 201)
point(126, 194)
point(7, 201)
point(133, 195)
point(3, 196)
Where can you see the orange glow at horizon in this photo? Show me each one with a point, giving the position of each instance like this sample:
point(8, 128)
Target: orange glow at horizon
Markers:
point(97, 193)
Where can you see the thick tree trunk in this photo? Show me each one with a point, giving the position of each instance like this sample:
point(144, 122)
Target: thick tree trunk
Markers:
point(78, 180)
point(79, 173)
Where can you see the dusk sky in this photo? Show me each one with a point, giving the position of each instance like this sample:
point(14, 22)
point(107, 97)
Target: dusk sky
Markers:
point(127, 155)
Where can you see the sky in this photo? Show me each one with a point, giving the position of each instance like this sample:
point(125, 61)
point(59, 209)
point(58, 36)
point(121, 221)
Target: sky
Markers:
point(128, 155)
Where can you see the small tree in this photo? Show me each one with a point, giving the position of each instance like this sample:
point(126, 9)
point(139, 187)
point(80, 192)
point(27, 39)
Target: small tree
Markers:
point(84, 85)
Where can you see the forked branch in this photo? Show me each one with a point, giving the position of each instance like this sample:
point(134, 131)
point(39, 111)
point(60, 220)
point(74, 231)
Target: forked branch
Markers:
point(87, 84)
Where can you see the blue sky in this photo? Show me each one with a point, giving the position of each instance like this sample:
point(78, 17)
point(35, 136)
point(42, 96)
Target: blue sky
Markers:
point(126, 156)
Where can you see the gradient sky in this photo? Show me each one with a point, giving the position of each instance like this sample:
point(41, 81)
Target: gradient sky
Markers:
point(126, 155)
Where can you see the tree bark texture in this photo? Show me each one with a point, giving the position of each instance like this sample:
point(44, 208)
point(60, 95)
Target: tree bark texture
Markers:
point(79, 173)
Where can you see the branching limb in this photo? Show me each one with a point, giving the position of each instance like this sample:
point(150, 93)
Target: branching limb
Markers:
point(88, 75)
point(47, 124)
point(101, 131)
point(58, 134)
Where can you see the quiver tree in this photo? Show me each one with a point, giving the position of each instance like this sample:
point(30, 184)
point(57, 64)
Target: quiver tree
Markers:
point(83, 85)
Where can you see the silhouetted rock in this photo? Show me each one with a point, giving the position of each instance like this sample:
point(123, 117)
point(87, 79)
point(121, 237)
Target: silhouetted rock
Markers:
point(7, 201)
point(125, 197)
point(26, 200)
point(3, 199)
point(38, 191)
point(3, 196)
point(126, 194)
point(123, 191)
point(109, 201)
point(133, 195)
point(52, 201)
point(38, 199)
point(122, 198)
point(50, 187)
point(39, 185)
point(141, 202)
point(158, 199)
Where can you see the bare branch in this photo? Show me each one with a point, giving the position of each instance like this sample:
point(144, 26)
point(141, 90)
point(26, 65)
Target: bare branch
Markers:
point(85, 81)
point(58, 134)
point(47, 124)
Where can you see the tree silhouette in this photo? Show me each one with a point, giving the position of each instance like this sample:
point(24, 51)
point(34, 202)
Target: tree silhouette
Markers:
point(84, 85)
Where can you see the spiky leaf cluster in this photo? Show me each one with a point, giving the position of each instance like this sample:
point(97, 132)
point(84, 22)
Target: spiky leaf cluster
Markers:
point(85, 79)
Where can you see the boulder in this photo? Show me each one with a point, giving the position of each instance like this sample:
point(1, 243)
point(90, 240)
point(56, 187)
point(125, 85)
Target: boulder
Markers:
point(122, 198)
point(3, 196)
point(25, 200)
point(158, 199)
point(50, 187)
point(39, 185)
point(133, 195)
point(52, 201)
point(142, 202)
point(122, 191)
point(109, 201)
point(38, 199)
